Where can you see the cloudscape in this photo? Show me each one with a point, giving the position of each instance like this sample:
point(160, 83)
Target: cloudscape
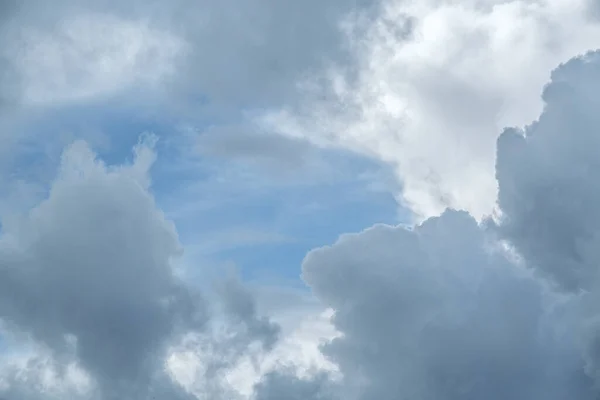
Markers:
point(299, 200)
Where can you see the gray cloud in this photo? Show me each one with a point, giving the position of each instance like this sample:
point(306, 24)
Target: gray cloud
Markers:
point(432, 314)
point(547, 177)
point(287, 386)
point(92, 263)
point(238, 54)
point(267, 46)
point(442, 311)
point(239, 304)
point(88, 274)
point(241, 143)
point(8, 83)
point(236, 57)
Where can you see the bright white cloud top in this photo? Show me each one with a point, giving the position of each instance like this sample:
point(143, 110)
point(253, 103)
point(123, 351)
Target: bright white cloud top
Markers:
point(473, 107)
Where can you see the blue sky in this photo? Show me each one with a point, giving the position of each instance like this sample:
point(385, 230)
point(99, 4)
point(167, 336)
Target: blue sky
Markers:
point(228, 211)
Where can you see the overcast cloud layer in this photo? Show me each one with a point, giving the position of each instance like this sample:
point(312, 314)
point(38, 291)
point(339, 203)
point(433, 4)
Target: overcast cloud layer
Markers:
point(467, 103)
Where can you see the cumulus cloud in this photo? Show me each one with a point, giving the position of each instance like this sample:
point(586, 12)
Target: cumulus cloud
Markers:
point(431, 86)
point(424, 313)
point(87, 275)
point(281, 386)
point(546, 173)
point(88, 271)
point(445, 310)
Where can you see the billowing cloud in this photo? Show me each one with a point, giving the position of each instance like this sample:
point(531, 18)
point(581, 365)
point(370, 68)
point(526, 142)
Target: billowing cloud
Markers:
point(384, 79)
point(433, 313)
point(445, 310)
point(547, 176)
point(88, 273)
point(432, 85)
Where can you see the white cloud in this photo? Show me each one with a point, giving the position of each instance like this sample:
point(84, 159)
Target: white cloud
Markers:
point(436, 82)
point(27, 374)
point(192, 363)
point(90, 56)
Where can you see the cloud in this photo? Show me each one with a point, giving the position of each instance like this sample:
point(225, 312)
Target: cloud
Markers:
point(162, 56)
point(384, 79)
point(87, 276)
point(276, 43)
point(424, 313)
point(239, 142)
point(88, 56)
point(77, 51)
point(277, 386)
point(7, 72)
point(432, 84)
point(225, 367)
point(445, 310)
point(239, 304)
point(29, 375)
point(546, 173)
point(87, 272)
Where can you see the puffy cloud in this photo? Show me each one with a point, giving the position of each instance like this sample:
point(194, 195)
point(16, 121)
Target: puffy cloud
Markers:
point(433, 313)
point(445, 310)
point(88, 272)
point(432, 85)
point(546, 173)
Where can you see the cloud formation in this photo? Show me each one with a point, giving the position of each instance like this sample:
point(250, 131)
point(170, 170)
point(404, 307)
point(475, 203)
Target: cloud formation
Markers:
point(80, 50)
point(88, 272)
point(546, 173)
point(445, 311)
point(431, 86)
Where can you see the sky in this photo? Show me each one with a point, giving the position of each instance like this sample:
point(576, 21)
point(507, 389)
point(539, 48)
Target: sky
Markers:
point(317, 200)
